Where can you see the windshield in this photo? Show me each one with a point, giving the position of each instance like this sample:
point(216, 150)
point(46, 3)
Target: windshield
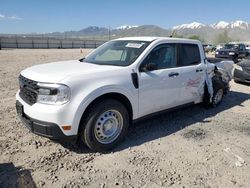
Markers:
point(231, 46)
point(118, 53)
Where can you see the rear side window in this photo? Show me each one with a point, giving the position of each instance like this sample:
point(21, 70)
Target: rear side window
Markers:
point(189, 54)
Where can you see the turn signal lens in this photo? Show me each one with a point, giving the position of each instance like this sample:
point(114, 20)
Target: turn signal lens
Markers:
point(66, 127)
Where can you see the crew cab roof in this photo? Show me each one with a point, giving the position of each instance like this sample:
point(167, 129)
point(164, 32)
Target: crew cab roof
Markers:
point(150, 39)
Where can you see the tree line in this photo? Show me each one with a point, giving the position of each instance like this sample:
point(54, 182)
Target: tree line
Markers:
point(220, 38)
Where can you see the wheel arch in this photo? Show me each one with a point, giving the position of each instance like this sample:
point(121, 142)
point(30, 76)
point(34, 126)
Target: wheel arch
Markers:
point(111, 95)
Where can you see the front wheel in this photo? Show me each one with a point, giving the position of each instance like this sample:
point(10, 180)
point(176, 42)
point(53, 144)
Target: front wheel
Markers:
point(105, 126)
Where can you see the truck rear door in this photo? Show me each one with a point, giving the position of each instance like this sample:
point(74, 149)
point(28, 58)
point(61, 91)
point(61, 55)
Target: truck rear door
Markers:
point(192, 72)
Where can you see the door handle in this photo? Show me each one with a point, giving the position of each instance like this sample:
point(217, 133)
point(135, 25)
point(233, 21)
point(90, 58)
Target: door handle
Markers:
point(173, 74)
point(199, 70)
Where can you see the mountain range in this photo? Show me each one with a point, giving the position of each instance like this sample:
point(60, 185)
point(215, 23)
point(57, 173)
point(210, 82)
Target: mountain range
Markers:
point(95, 32)
point(236, 30)
point(219, 25)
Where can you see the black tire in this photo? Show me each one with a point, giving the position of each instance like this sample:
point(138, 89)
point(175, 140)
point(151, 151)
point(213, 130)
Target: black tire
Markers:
point(89, 127)
point(236, 81)
point(235, 59)
point(219, 89)
point(206, 97)
point(218, 86)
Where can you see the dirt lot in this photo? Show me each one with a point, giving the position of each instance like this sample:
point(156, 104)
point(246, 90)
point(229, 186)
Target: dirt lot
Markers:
point(192, 147)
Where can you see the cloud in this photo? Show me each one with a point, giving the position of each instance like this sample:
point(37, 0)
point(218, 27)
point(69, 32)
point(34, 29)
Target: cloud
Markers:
point(3, 17)
point(14, 18)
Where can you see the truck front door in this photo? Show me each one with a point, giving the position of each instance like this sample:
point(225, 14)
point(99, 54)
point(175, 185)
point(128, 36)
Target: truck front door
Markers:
point(159, 80)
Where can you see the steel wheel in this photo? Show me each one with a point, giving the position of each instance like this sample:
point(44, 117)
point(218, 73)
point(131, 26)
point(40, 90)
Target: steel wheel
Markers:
point(218, 96)
point(108, 126)
point(104, 125)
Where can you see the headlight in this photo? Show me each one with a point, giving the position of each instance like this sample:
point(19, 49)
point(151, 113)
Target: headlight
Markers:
point(238, 67)
point(216, 52)
point(53, 94)
point(231, 53)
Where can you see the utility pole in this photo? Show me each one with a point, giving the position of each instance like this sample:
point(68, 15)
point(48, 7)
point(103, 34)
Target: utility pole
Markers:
point(109, 33)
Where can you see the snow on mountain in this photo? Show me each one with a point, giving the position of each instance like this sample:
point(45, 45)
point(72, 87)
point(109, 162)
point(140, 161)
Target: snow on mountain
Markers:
point(220, 25)
point(125, 27)
point(232, 25)
point(193, 25)
point(239, 24)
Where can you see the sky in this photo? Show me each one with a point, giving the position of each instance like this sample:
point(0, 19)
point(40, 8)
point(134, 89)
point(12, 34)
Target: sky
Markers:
point(42, 16)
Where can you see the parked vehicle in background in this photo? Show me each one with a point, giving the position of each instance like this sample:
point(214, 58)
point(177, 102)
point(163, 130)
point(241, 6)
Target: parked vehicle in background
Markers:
point(219, 46)
point(96, 98)
point(208, 47)
point(242, 71)
point(248, 47)
point(232, 51)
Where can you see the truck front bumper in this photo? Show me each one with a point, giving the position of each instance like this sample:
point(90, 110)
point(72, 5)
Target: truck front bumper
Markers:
point(46, 122)
point(225, 56)
point(42, 128)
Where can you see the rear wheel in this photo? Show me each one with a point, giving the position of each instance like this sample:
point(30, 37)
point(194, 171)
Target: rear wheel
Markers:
point(219, 89)
point(218, 93)
point(217, 97)
point(105, 126)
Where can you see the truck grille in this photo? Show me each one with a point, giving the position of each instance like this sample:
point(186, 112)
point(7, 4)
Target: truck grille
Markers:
point(28, 90)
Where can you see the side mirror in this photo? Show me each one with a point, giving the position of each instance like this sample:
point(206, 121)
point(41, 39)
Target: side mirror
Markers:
point(82, 59)
point(149, 67)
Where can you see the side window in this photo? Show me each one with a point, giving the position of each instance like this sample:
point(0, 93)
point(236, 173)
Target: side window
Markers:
point(189, 54)
point(242, 47)
point(161, 57)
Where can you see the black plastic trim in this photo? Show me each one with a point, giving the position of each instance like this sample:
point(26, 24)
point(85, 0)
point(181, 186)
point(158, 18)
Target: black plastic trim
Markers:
point(135, 80)
point(28, 90)
point(42, 128)
point(162, 112)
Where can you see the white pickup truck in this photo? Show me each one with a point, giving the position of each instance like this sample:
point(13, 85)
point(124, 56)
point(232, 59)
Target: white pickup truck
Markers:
point(96, 98)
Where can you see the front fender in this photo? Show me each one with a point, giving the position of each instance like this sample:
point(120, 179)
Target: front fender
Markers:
point(87, 98)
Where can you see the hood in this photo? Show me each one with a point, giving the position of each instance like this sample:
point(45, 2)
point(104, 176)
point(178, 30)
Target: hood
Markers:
point(57, 71)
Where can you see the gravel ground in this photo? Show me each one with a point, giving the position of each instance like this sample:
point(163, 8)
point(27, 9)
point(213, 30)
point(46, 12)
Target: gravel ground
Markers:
point(192, 147)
